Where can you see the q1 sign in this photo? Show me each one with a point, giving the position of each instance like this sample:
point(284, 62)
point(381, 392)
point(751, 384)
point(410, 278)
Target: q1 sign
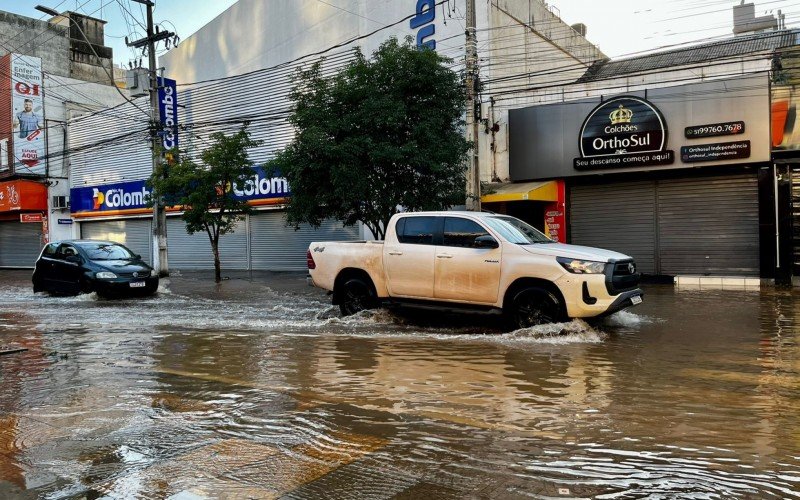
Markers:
point(27, 115)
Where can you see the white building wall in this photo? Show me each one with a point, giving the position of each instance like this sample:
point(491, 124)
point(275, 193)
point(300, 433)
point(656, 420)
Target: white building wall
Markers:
point(239, 66)
point(257, 34)
point(65, 98)
point(514, 37)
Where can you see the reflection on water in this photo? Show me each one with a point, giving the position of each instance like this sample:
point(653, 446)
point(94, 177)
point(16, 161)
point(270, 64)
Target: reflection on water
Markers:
point(270, 393)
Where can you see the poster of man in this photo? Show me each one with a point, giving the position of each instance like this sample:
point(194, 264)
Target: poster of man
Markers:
point(28, 118)
point(28, 121)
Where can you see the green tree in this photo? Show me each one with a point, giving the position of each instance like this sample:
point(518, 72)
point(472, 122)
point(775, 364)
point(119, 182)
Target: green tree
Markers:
point(204, 191)
point(381, 134)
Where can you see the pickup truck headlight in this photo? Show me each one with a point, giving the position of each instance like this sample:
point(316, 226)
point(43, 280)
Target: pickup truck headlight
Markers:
point(576, 266)
point(105, 275)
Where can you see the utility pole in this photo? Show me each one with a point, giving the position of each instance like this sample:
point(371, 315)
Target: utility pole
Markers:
point(473, 174)
point(160, 258)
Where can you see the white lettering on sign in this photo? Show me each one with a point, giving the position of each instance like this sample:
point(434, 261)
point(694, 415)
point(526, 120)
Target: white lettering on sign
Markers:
point(621, 128)
point(262, 185)
point(617, 143)
point(119, 198)
point(169, 120)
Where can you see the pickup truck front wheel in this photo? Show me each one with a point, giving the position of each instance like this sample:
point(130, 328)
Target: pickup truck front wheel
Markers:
point(532, 307)
point(356, 296)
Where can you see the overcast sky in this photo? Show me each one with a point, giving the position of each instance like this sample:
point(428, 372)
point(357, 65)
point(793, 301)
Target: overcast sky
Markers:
point(619, 27)
point(624, 27)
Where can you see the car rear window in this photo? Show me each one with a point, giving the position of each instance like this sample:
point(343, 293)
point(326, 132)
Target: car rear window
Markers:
point(416, 230)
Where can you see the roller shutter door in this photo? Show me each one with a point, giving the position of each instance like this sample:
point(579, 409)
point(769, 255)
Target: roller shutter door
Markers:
point(193, 251)
point(135, 234)
point(709, 226)
point(275, 247)
point(619, 217)
point(20, 244)
point(690, 226)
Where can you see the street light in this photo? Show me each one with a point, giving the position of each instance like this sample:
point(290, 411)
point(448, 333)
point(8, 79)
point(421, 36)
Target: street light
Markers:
point(47, 10)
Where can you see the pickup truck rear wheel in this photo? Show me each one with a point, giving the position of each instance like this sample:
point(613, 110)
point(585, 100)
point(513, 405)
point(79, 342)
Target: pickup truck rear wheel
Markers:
point(532, 307)
point(356, 296)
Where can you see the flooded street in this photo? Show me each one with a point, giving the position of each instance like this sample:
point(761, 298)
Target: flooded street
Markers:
point(260, 390)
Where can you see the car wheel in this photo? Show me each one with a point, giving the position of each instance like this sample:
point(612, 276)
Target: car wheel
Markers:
point(532, 307)
point(356, 296)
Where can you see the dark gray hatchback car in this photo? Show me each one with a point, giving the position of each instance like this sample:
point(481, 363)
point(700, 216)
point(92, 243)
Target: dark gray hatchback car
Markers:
point(71, 267)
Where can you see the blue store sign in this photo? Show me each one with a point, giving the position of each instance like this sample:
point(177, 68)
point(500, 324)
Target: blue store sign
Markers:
point(425, 20)
point(168, 113)
point(128, 198)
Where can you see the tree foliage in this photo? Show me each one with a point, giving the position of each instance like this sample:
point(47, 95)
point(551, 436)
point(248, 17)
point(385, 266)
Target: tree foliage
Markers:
point(382, 134)
point(204, 190)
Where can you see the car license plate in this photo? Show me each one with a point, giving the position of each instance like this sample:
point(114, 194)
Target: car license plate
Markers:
point(636, 299)
point(141, 284)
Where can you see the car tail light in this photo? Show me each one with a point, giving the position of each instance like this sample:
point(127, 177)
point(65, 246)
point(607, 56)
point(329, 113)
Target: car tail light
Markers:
point(310, 260)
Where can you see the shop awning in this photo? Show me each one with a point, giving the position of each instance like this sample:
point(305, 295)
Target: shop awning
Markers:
point(522, 191)
point(22, 195)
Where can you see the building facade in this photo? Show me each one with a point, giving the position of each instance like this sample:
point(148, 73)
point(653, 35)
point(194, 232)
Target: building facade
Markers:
point(239, 68)
point(50, 71)
point(681, 158)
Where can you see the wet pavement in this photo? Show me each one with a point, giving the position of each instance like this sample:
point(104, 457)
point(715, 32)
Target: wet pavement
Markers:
point(258, 389)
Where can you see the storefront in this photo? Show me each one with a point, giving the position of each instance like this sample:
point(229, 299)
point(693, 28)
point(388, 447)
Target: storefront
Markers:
point(23, 222)
point(680, 177)
point(261, 241)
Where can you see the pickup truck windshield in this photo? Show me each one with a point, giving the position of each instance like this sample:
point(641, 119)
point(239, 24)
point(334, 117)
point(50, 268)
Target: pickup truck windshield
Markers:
point(516, 231)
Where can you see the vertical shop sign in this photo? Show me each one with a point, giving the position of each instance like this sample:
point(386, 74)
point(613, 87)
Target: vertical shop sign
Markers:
point(27, 115)
point(168, 112)
point(555, 215)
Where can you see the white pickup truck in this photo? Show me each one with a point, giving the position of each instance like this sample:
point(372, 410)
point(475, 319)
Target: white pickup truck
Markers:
point(476, 260)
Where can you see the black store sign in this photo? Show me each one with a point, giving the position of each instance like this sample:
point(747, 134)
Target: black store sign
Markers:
point(624, 131)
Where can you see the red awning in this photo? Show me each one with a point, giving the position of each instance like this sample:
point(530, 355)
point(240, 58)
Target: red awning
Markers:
point(22, 195)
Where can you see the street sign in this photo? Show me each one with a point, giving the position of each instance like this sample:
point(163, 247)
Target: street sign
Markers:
point(65, 221)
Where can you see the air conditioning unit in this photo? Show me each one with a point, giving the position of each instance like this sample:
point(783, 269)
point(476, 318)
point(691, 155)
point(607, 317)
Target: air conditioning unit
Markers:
point(60, 202)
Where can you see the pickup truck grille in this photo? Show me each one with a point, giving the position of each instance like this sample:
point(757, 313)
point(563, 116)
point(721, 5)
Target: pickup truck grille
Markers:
point(622, 276)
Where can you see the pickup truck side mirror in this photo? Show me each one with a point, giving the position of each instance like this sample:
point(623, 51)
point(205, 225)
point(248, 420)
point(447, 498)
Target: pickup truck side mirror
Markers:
point(486, 241)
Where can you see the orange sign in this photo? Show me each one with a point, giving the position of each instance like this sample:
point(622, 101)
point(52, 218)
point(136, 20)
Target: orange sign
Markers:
point(22, 195)
point(31, 218)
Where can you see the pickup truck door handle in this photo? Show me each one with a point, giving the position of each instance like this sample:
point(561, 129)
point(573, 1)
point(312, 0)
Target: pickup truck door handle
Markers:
point(444, 256)
point(395, 253)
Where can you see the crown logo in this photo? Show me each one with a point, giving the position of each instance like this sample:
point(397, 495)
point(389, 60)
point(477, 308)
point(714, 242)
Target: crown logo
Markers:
point(621, 115)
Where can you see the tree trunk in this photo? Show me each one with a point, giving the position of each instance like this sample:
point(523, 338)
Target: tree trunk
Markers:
point(378, 230)
point(217, 266)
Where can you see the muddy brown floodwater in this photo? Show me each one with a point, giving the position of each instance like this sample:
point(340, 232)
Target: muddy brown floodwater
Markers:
point(260, 390)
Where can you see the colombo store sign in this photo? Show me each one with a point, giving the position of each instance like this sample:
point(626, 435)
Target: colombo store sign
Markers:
point(624, 131)
point(132, 198)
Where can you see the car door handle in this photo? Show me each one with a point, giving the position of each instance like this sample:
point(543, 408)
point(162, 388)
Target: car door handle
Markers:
point(444, 256)
point(395, 253)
